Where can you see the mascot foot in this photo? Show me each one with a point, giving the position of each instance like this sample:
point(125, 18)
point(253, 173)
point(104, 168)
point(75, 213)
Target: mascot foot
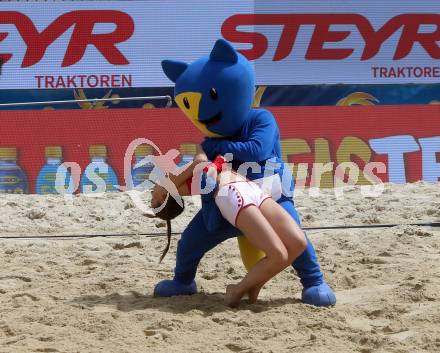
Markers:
point(171, 288)
point(321, 295)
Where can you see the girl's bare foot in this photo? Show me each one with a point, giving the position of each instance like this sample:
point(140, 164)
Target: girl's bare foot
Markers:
point(253, 294)
point(232, 297)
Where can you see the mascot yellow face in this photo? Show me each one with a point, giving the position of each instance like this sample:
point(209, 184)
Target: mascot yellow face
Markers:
point(216, 91)
point(189, 103)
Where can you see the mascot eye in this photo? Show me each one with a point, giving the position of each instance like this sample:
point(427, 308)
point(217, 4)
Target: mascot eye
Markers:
point(213, 93)
point(186, 103)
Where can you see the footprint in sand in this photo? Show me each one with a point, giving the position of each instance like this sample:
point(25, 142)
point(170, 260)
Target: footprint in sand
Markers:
point(25, 295)
point(6, 329)
point(104, 309)
point(11, 282)
point(235, 347)
point(156, 334)
point(23, 299)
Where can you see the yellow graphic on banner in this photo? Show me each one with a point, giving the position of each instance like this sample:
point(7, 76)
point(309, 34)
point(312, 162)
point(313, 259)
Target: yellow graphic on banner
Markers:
point(80, 95)
point(258, 96)
point(357, 98)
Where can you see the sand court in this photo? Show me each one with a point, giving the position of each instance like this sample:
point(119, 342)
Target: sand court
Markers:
point(77, 295)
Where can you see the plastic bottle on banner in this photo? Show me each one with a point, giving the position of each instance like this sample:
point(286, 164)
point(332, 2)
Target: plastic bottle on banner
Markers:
point(142, 174)
point(47, 182)
point(99, 176)
point(187, 151)
point(13, 180)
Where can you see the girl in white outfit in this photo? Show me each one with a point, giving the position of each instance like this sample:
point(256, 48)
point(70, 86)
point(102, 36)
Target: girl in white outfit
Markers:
point(262, 220)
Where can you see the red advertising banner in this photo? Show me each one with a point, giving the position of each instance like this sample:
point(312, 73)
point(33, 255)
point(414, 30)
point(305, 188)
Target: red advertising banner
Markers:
point(406, 139)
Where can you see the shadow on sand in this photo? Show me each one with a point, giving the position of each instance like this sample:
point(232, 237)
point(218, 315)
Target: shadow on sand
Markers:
point(207, 303)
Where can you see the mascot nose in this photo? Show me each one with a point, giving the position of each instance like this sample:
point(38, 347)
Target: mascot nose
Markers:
point(189, 103)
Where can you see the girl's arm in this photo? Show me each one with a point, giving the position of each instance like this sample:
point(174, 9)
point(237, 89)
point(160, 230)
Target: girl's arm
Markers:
point(184, 190)
point(200, 155)
point(184, 178)
point(188, 170)
point(185, 173)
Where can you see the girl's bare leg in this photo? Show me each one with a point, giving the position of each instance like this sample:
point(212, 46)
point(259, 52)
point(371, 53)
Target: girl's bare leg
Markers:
point(289, 232)
point(286, 230)
point(261, 234)
point(254, 292)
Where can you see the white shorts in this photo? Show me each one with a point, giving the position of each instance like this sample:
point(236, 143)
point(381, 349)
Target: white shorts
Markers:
point(233, 197)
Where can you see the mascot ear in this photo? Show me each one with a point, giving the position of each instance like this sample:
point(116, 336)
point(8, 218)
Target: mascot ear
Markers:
point(173, 69)
point(223, 51)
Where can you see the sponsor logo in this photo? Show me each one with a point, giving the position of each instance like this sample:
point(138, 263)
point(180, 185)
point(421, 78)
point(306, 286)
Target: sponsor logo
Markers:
point(83, 23)
point(406, 72)
point(84, 81)
point(408, 25)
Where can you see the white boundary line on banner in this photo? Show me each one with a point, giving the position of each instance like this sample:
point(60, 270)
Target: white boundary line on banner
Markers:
point(168, 98)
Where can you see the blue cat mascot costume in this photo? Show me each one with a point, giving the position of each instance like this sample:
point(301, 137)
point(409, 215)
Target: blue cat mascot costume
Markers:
point(216, 94)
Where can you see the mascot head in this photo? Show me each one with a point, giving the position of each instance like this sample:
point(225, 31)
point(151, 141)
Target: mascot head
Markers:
point(215, 92)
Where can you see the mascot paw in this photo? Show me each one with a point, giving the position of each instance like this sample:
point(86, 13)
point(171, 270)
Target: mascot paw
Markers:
point(321, 295)
point(171, 288)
